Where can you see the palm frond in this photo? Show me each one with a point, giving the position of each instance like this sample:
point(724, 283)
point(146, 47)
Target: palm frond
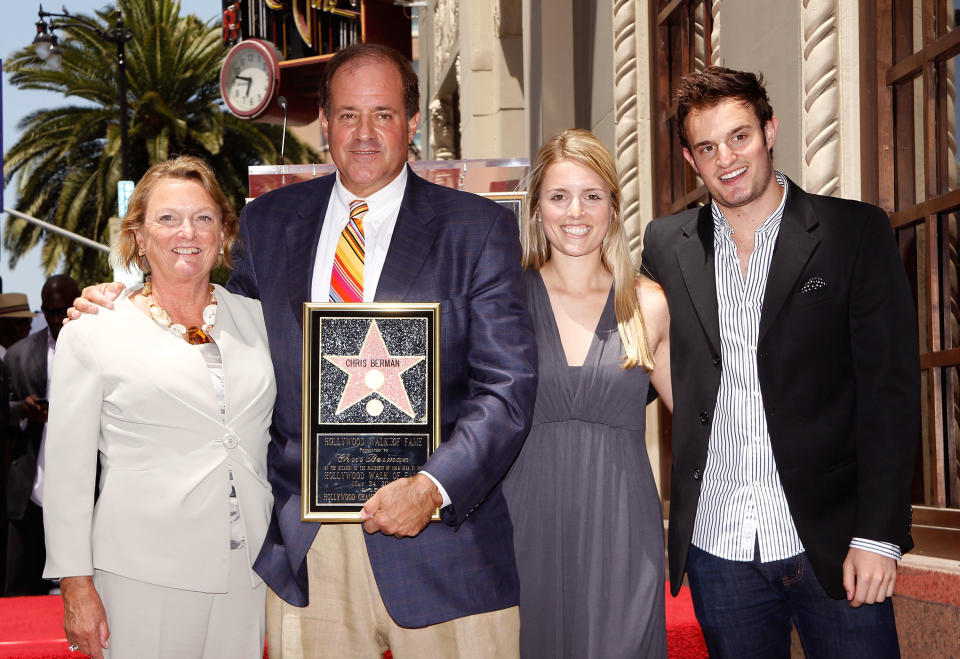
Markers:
point(66, 163)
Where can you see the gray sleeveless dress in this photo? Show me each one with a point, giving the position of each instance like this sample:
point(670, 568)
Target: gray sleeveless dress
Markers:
point(588, 530)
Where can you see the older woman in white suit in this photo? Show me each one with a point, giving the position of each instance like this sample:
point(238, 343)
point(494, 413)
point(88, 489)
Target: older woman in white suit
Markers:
point(174, 390)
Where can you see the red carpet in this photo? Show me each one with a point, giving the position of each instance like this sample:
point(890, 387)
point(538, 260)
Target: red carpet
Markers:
point(31, 628)
point(684, 638)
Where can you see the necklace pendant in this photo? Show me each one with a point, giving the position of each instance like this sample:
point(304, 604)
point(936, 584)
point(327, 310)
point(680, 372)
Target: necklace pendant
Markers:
point(196, 336)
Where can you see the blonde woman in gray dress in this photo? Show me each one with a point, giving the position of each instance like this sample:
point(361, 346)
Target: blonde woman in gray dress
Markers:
point(588, 531)
point(173, 389)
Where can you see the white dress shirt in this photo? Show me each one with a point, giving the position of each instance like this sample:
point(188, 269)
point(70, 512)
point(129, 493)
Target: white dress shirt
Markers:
point(378, 225)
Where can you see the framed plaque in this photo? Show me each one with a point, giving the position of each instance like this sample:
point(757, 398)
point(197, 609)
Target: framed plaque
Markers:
point(514, 201)
point(371, 401)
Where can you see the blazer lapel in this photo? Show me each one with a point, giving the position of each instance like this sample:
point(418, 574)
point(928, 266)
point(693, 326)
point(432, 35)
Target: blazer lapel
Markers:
point(413, 237)
point(695, 256)
point(301, 254)
point(795, 244)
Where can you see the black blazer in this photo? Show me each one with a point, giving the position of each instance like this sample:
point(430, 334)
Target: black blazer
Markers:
point(838, 367)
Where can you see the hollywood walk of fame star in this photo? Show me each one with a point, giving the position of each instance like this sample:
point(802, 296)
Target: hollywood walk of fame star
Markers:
point(374, 370)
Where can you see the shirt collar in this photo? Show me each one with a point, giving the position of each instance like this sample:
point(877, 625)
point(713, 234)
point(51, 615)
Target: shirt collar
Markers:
point(389, 194)
point(720, 221)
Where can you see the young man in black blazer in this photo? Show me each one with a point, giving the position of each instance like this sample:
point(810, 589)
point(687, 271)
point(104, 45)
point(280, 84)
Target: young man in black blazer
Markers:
point(796, 381)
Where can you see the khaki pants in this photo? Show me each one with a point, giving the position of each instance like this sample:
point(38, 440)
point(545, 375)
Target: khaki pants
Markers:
point(346, 617)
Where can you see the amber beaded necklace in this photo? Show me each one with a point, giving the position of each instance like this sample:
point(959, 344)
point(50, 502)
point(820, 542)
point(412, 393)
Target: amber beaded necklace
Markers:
point(193, 335)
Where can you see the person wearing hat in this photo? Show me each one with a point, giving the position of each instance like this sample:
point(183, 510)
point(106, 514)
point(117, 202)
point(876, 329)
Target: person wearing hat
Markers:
point(29, 363)
point(15, 321)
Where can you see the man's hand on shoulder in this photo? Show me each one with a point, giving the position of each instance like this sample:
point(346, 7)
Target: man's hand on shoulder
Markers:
point(92, 296)
point(868, 577)
point(401, 508)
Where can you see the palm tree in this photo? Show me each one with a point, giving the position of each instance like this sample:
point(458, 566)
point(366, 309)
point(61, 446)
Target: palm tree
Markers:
point(66, 163)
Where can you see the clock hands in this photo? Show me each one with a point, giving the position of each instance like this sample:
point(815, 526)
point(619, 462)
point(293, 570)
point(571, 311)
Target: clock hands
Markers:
point(249, 81)
point(249, 77)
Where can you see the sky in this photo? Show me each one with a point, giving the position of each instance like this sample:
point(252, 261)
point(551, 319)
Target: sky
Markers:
point(17, 30)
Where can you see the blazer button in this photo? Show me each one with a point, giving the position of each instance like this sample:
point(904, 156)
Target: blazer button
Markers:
point(716, 361)
point(697, 473)
point(704, 418)
point(230, 440)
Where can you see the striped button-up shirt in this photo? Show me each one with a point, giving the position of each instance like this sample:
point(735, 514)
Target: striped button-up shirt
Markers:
point(742, 504)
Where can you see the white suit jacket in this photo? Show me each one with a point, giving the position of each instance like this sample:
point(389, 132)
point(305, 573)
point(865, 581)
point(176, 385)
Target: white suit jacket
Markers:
point(129, 388)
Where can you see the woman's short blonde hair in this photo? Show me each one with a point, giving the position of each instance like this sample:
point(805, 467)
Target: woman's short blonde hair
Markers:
point(583, 147)
point(124, 251)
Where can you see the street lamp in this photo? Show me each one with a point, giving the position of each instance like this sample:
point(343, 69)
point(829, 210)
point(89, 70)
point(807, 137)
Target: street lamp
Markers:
point(46, 46)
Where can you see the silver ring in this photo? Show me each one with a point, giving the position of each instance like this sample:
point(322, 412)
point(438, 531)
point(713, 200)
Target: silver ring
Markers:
point(73, 647)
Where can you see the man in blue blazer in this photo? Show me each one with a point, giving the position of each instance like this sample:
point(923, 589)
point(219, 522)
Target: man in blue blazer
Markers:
point(423, 582)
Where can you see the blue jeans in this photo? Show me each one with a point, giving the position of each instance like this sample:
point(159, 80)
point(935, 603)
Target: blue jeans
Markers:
point(745, 609)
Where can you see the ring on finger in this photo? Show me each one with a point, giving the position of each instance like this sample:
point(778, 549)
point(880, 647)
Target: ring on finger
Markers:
point(73, 647)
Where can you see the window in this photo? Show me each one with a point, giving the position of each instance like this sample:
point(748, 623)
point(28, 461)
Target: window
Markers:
point(680, 44)
point(910, 110)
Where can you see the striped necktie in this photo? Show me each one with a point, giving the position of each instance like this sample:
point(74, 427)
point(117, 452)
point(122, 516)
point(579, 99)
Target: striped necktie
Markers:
point(346, 280)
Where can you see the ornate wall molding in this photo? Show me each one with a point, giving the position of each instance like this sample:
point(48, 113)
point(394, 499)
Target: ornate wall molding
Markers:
point(625, 101)
point(443, 133)
point(633, 137)
point(715, 58)
point(507, 18)
point(820, 111)
point(699, 39)
point(951, 124)
point(446, 35)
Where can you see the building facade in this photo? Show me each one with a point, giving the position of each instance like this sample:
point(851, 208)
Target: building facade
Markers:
point(866, 97)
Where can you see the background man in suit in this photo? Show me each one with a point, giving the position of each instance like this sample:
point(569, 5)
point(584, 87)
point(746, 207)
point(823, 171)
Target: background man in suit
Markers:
point(15, 319)
point(29, 363)
point(446, 589)
point(796, 393)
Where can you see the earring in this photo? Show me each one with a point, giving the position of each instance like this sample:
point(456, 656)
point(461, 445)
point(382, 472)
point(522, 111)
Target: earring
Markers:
point(539, 219)
point(221, 250)
point(140, 252)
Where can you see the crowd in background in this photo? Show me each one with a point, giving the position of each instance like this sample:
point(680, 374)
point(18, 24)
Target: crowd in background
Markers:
point(25, 363)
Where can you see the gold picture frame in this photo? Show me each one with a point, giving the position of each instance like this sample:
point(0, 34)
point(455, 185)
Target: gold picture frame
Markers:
point(514, 201)
point(371, 401)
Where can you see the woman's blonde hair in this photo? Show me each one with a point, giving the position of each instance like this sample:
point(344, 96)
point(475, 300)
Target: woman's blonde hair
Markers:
point(124, 251)
point(583, 147)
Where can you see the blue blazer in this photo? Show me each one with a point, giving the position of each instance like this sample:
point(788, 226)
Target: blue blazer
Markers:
point(447, 246)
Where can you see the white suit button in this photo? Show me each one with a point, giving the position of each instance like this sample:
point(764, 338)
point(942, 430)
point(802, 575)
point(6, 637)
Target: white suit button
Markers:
point(230, 440)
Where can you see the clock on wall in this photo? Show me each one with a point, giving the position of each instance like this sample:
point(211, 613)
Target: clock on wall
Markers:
point(249, 77)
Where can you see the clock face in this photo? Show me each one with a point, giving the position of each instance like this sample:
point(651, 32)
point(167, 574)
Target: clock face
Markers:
point(248, 78)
